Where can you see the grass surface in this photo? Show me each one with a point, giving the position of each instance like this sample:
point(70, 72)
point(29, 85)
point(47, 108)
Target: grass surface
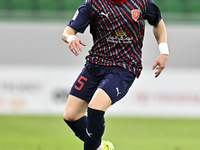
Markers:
point(51, 133)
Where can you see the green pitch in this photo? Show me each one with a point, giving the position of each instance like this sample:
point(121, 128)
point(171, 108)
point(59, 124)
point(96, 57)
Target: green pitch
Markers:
point(51, 133)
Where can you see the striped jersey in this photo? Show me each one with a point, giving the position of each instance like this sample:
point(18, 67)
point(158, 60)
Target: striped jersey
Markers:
point(117, 27)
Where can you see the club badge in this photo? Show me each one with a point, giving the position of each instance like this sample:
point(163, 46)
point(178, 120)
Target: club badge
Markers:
point(135, 14)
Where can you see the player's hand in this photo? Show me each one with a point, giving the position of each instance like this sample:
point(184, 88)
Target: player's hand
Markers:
point(75, 45)
point(160, 64)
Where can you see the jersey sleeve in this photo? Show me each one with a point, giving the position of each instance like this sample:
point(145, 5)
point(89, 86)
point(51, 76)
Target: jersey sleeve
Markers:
point(82, 17)
point(153, 14)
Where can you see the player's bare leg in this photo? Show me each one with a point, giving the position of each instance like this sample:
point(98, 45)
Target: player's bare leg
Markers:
point(74, 115)
point(96, 124)
point(75, 108)
point(100, 101)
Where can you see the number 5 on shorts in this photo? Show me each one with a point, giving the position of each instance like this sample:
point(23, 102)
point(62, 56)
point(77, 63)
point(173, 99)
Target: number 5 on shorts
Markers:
point(81, 83)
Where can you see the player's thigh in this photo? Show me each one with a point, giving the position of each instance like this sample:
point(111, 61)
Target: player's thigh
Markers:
point(100, 100)
point(75, 108)
point(85, 85)
point(117, 83)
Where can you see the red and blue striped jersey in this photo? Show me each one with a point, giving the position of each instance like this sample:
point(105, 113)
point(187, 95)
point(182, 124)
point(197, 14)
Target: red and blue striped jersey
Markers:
point(117, 27)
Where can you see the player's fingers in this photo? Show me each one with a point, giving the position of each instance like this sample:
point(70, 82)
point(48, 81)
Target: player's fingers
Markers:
point(154, 66)
point(83, 43)
point(79, 46)
point(159, 71)
point(157, 74)
point(73, 48)
point(79, 43)
point(76, 51)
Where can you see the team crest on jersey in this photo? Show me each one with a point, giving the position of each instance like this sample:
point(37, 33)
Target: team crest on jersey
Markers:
point(135, 14)
point(75, 15)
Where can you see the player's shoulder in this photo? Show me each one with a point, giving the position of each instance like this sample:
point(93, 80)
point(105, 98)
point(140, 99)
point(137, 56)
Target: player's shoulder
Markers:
point(90, 1)
point(150, 1)
point(141, 2)
point(86, 4)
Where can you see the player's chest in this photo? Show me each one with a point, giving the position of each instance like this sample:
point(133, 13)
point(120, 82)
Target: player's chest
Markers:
point(111, 15)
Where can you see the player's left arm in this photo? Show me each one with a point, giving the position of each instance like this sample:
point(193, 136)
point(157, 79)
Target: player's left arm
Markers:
point(160, 34)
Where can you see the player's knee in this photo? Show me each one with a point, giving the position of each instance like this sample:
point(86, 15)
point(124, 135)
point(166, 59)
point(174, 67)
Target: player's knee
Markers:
point(72, 116)
point(69, 116)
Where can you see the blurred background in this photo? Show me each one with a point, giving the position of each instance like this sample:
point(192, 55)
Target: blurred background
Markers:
point(37, 69)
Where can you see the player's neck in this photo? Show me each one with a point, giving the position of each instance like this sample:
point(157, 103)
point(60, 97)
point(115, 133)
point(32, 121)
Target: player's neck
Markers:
point(117, 1)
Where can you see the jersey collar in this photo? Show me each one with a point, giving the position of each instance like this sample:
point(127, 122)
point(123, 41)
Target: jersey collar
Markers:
point(117, 1)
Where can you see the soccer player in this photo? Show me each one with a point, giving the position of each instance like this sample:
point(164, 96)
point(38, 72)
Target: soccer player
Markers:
point(113, 62)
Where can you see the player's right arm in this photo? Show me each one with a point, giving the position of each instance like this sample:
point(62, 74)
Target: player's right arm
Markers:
point(75, 43)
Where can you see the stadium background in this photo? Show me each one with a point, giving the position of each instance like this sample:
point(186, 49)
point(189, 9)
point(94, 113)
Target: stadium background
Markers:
point(37, 70)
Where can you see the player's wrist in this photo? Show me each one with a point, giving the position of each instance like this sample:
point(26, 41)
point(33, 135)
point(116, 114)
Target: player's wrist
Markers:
point(163, 48)
point(70, 37)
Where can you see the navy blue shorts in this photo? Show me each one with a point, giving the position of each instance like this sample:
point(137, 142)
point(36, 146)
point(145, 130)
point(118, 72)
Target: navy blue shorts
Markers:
point(115, 81)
